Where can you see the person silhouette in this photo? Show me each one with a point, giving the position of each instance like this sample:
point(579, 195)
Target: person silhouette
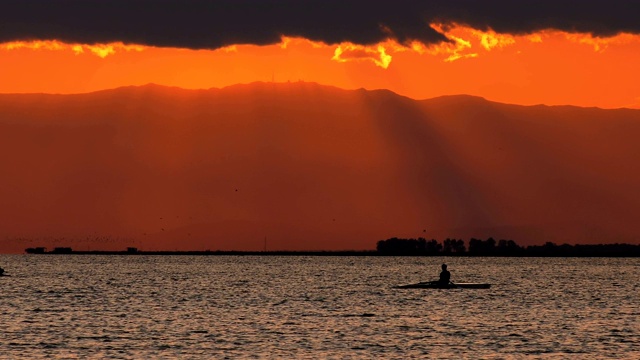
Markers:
point(445, 276)
point(1, 271)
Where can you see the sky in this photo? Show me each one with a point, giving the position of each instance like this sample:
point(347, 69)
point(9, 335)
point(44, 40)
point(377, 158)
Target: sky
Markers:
point(527, 52)
point(582, 53)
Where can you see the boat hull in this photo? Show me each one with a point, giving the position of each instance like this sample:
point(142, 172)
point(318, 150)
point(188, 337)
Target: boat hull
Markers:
point(435, 285)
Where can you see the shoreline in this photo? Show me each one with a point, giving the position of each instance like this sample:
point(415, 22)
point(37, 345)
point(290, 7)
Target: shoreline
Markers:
point(358, 253)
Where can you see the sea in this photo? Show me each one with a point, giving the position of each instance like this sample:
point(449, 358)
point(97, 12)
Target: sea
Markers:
point(316, 307)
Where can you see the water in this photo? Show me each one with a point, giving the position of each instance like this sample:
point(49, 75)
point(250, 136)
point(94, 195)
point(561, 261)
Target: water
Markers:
point(136, 307)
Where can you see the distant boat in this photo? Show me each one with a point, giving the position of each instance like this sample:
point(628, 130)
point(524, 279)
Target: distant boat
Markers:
point(451, 285)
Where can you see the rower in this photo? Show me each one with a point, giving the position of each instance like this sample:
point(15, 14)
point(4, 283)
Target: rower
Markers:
point(445, 275)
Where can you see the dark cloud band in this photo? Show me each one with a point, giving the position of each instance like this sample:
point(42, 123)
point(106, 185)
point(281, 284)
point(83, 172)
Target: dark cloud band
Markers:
point(212, 24)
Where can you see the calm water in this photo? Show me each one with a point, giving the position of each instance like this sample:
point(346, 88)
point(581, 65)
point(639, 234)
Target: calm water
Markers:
point(316, 307)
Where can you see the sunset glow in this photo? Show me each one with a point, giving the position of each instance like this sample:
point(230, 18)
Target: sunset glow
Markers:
point(319, 178)
point(549, 67)
point(286, 144)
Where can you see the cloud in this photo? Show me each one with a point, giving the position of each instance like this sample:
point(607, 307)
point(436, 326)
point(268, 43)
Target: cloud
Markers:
point(352, 52)
point(101, 50)
point(212, 24)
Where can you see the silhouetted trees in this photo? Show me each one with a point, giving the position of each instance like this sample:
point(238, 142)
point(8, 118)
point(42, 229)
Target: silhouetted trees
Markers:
point(482, 248)
point(453, 246)
point(420, 246)
point(491, 247)
point(433, 247)
point(411, 247)
point(508, 248)
point(596, 250)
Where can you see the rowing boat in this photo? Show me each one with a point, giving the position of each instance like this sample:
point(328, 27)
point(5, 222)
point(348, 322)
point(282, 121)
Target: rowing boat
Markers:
point(437, 285)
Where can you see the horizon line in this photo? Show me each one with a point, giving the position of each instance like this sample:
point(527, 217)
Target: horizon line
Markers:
point(260, 82)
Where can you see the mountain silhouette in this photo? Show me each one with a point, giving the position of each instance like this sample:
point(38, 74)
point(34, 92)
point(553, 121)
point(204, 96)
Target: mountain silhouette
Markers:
point(310, 167)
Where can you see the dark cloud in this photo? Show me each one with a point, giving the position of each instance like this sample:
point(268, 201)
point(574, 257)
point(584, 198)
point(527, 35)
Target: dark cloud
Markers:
point(216, 23)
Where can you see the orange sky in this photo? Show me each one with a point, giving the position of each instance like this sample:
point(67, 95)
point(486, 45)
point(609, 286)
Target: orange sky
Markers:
point(550, 68)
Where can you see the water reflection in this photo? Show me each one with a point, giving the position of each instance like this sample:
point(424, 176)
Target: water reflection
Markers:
point(316, 307)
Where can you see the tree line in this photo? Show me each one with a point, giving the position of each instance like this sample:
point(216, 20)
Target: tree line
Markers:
point(492, 247)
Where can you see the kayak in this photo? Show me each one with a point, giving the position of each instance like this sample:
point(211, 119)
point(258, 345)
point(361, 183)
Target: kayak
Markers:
point(436, 285)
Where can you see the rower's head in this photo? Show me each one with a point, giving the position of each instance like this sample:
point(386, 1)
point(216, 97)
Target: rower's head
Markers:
point(444, 266)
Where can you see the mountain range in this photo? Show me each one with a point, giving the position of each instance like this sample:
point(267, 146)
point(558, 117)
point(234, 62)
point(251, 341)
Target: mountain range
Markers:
point(302, 166)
